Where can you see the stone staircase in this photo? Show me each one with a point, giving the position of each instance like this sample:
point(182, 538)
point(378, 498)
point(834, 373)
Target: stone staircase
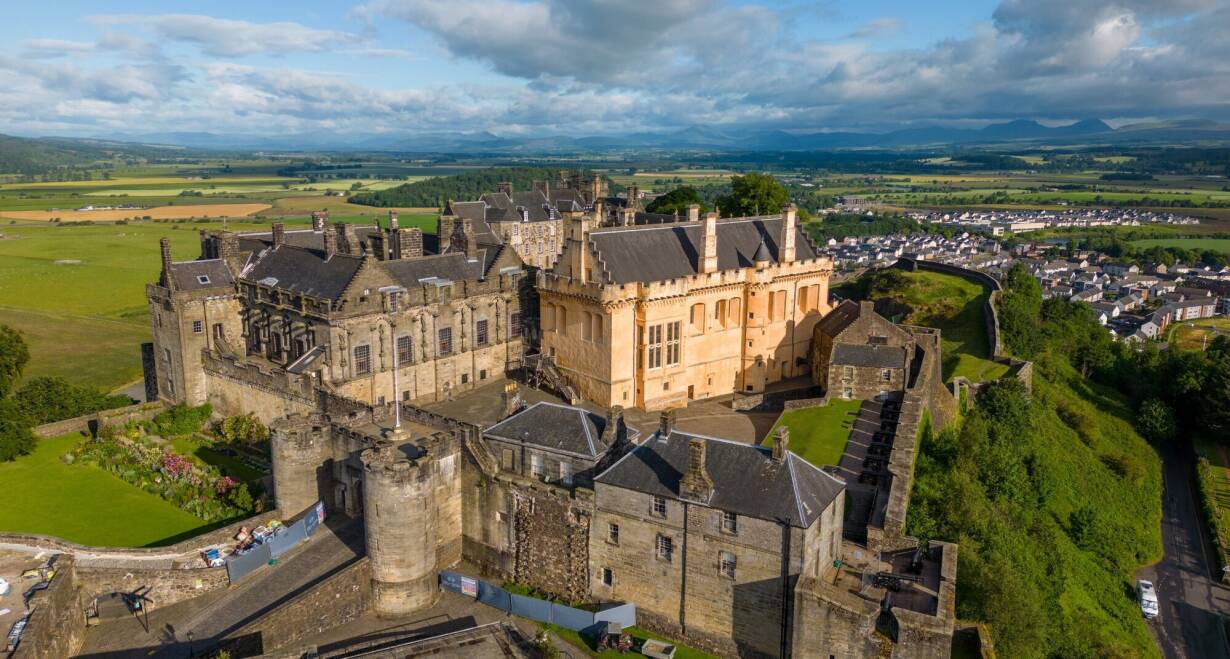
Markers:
point(544, 373)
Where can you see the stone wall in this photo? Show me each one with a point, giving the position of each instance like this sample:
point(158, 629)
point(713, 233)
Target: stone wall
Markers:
point(989, 312)
point(56, 627)
point(163, 587)
point(92, 423)
point(336, 601)
point(551, 540)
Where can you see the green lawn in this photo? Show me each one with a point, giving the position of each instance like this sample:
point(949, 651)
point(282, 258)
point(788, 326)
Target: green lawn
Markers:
point(819, 434)
point(954, 305)
point(681, 651)
point(200, 451)
point(84, 504)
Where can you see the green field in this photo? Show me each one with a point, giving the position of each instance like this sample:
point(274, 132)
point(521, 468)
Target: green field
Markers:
point(1215, 244)
point(819, 434)
point(84, 504)
point(1195, 334)
point(954, 305)
point(203, 453)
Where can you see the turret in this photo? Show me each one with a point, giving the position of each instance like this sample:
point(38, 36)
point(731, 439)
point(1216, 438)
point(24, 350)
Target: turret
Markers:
point(301, 453)
point(400, 518)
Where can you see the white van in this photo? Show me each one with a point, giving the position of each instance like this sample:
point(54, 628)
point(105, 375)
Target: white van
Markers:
point(1147, 597)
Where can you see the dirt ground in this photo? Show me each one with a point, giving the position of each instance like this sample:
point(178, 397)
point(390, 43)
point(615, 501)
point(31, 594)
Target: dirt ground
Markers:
point(158, 213)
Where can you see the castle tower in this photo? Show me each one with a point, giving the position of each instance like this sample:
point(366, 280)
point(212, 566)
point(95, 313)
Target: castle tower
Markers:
point(400, 519)
point(301, 454)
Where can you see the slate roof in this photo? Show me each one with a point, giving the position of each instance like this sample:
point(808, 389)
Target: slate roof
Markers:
point(868, 356)
point(304, 271)
point(556, 427)
point(839, 318)
point(668, 251)
point(746, 479)
point(454, 266)
point(187, 275)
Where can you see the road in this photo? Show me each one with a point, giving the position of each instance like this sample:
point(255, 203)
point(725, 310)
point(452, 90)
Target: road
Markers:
point(1192, 603)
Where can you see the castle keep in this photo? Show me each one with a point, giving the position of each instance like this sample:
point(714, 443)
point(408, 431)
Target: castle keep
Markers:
point(344, 337)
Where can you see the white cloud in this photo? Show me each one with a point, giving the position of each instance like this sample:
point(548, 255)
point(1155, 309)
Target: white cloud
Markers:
point(232, 38)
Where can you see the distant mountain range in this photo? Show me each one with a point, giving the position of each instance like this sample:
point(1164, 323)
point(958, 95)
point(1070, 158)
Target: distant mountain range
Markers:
point(1020, 133)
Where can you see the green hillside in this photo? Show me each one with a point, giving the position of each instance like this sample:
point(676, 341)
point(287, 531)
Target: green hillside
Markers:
point(462, 187)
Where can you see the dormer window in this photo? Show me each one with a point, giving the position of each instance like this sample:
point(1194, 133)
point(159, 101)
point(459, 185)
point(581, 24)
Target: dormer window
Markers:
point(202, 279)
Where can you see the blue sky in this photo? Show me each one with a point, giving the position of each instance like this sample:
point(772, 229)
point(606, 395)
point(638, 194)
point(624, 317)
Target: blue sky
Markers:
point(524, 67)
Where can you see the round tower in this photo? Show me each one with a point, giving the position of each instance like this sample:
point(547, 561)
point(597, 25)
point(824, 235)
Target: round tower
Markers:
point(301, 451)
point(400, 519)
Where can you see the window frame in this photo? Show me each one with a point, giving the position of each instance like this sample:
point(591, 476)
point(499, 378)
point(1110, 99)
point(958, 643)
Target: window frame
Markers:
point(481, 334)
point(657, 506)
point(362, 356)
point(664, 547)
point(728, 563)
point(405, 353)
point(612, 533)
point(198, 327)
point(729, 522)
point(444, 341)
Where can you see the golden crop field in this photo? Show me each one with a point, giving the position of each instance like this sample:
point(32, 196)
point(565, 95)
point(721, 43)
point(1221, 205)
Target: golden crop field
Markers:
point(156, 213)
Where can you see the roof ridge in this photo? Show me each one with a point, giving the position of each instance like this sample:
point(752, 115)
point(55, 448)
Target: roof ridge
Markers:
point(794, 485)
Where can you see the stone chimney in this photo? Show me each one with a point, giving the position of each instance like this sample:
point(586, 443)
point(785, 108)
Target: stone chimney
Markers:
point(165, 245)
point(666, 423)
point(410, 243)
point(279, 234)
point(228, 246)
point(319, 220)
point(599, 213)
point(544, 187)
point(349, 239)
point(709, 258)
point(511, 400)
point(444, 232)
point(505, 187)
point(578, 256)
point(693, 212)
point(634, 196)
point(471, 240)
point(629, 217)
point(866, 308)
point(696, 484)
point(393, 220)
point(614, 419)
point(330, 237)
point(781, 444)
point(785, 243)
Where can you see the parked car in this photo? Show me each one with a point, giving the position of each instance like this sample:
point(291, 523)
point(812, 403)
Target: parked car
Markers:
point(1148, 598)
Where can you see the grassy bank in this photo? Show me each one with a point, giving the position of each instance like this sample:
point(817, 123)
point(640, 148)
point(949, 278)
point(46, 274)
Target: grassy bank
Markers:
point(819, 434)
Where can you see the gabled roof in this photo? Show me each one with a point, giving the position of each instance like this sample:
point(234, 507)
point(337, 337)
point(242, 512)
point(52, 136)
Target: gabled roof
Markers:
point(839, 318)
point(198, 275)
point(668, 251)
point(303, 271)
point(556, 427)
point(746, 479)
point(454, 266)
point(869, 356)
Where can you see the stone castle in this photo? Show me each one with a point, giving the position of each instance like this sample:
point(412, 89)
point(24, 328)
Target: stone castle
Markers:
point(341, 336)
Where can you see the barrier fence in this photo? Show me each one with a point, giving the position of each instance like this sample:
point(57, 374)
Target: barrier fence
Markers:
point(578, 620)
point(298, 530)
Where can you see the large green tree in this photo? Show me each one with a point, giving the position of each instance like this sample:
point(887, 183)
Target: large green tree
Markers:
point(13, 358)
point(16, 438)
point(677, 201)
point(753, 194)
point(47, 399)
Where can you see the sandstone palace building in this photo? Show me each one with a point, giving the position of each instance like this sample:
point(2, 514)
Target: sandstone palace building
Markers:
point(655, 315)
point(361, 346)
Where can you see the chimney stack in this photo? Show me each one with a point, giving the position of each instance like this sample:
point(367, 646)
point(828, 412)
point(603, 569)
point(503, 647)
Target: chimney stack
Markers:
point(544, 188)
point(319, 220)
point(165, 246)
point(666, 423)
point(614, 419)
point(634, 196)
point(330, 237)
point(471, 240)
point(505, 187)
point(228, 246)
point(696, 484)
point(350, 240)
point(785, 243)
point(781, 444)
point(693, 212)
point(511, 399)
point(709, 258)
point(279, 234)
point(410, 243)
point(444, 232)
point(393, 220)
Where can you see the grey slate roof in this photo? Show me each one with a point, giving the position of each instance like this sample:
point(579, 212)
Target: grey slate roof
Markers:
point(837, 320)
point(454, 266)
point(746, 480)
point(187, 275)
point(554, 427)
point(668, 251)
point(870, 356)
point(304, 271)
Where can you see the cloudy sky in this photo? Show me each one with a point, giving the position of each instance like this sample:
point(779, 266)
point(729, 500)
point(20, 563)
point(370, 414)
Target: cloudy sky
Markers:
point(603, 66)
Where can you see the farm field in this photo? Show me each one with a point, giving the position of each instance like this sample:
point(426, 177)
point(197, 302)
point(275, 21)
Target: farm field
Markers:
point(818, 434)
point(1193, 334)
point(84, 504)
point(176, 212)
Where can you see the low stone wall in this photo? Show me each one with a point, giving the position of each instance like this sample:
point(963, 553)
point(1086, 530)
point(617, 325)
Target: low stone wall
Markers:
point(182, 554)
point(92, 423)
point(334, 602)
point(989, 312)
point(163, 587)
point(56, 627)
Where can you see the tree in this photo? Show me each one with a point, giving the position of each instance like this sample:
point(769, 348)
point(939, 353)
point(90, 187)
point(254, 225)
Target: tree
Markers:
point(677, 201)
point(1155, 420)
point(1019, 308)
point(13, 358)
point(245, 429)
point(753, 194)
point(16, 438)
point(47, 399)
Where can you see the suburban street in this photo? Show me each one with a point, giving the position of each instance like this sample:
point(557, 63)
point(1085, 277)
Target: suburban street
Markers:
point(1192, 603)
